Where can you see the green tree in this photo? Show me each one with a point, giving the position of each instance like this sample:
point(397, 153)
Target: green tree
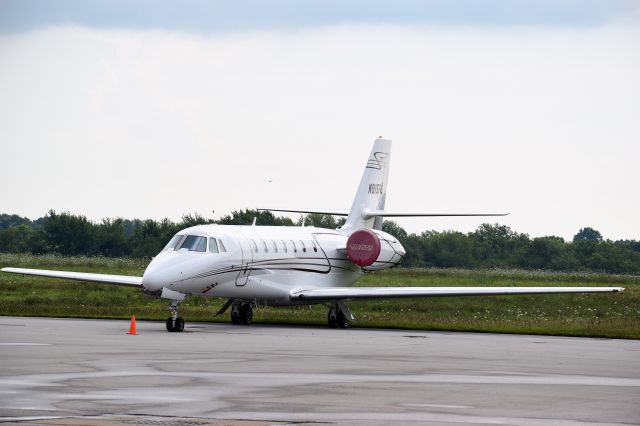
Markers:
point(588, 234)
point(497, 246)
point(111, 238)
point(611, 258)
point(544, 253)
point(18, 239)
point(320, 220)
point(151, 236)
point(391, 227)
point(69, 234)
point(10, 220)
point(449, 249)
point(195, 219)
point(245, 217)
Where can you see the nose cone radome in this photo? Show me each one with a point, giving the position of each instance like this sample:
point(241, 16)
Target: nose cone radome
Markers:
point(151, 281)
point(154, 277)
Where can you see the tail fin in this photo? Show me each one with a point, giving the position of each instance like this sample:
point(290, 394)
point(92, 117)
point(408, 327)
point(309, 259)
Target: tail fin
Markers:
point(372, 190)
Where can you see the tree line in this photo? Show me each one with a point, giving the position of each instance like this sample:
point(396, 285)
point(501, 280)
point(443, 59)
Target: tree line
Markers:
point(489, 246)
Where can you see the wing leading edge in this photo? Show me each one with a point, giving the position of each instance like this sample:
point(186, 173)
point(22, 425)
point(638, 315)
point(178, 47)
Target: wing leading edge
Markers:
point(339, 293)
point(80, 276)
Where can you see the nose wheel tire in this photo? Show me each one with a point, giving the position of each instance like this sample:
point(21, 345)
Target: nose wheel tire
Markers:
point(176, 325)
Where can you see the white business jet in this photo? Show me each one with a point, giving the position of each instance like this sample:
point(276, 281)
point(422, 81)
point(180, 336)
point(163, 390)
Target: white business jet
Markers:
point(253, 265)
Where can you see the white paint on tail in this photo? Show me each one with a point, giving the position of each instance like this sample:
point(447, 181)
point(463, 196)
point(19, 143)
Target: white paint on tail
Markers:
point(372, 190)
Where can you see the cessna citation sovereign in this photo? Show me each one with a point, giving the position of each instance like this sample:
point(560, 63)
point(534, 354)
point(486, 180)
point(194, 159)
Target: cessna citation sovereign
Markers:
point(291, 265)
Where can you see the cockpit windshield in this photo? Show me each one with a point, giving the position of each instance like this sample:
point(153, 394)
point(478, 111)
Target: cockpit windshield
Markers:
point(194, 243)
point(173, 242)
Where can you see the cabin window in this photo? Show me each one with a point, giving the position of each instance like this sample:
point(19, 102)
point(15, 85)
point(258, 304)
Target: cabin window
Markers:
point(173, 243)
point(293, 244)
point(275, 247)
point(222, 247)
point(194, 243)
point(264, 246)
point(213, 245)
point(284, 246)
point(254, 246)
point(304, 248)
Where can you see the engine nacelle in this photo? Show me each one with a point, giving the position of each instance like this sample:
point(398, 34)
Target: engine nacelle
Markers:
point(373, 250)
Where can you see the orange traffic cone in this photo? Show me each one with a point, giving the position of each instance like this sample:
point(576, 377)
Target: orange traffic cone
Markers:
point(132, 327)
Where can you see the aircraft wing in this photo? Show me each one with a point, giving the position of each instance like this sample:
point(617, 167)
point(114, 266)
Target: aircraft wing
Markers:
point(80, 276)
point(339, 293)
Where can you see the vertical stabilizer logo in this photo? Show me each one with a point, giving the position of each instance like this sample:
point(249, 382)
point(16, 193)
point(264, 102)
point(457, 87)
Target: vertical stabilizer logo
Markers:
point(378, 160)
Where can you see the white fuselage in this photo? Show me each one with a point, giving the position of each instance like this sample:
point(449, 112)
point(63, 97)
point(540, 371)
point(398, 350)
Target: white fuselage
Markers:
point(260, 264)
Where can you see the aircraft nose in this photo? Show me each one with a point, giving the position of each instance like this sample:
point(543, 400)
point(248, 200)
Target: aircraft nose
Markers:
point(151, 281)
point(153, 278)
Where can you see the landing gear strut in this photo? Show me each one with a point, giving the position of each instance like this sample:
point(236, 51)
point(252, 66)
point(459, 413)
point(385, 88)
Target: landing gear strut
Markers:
point(174, 322)
point(241, 313)
point(339, 315)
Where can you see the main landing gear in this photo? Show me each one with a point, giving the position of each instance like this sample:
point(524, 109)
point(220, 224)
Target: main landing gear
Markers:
point(339, 315)
point(242, 313)
point(174, 322)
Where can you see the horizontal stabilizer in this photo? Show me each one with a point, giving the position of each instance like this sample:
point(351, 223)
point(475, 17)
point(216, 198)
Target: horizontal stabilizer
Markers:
point(330, 212)
point(368, 214)
point(338, 293)
point(80, 276)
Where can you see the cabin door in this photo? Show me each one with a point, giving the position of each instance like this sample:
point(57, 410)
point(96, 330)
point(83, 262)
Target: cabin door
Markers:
point(247, 261)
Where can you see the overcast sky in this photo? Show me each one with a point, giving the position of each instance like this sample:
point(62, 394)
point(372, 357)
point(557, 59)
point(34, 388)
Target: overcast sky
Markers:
point(157, 109)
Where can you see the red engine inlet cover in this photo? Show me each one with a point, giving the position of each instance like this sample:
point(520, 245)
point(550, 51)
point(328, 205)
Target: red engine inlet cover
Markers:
point(363, 247)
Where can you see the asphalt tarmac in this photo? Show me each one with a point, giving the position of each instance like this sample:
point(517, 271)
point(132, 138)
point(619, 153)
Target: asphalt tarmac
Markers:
point(90, 372)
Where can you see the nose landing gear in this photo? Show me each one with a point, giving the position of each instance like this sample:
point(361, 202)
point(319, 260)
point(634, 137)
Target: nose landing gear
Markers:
point(174, 322)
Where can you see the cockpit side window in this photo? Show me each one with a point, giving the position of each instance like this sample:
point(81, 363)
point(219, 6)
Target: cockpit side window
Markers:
point(173, 243)
point(194, 243)
point(213, 246)
point(222, 247)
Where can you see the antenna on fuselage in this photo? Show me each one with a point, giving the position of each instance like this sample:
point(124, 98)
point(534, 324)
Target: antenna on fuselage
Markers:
point(304, 218)
point(254, 221)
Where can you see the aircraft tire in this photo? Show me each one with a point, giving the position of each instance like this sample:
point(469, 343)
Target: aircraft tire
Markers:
point(246, 314)
point(178, 326)
point(341, 320)
point(332, 320)
point(236, 315)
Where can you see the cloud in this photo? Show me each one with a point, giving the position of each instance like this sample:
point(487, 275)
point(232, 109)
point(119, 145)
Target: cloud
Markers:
point(543, 123)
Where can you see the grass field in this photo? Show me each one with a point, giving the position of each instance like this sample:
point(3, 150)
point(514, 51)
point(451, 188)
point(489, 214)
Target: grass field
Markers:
point(594, 315)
